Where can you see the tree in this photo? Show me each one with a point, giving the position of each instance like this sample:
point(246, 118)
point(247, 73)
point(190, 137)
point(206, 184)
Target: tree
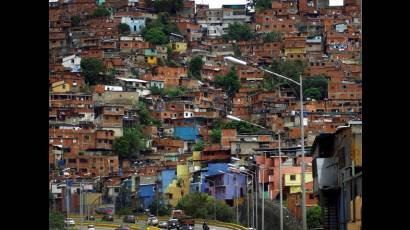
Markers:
point(273, 36)
point(130, 143)
point(199, 146)
point(263, 4)
point(201, 205)
point(170, 6)
point(195, 67)
point(155, 36)
point(75, 20)
point(241, 127)
point(238, 31)
point(92, 70)
point(314, 217)
point(55, 220)
point(230, 83)
point(163, 210)
point(215, 136)
point(123, 28)
point(123, 211)
point(316, 86)
point(313, 93)
point(143, 114)
point(101, 12)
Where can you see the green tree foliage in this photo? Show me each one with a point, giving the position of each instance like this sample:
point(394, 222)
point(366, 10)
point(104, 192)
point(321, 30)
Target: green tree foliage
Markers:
point(263, 4)
point(123, 28)
point(75, 20)
point(55, 220)
point(313, 93)
point(123, 211)
point(101, 12)
point(163, 210)
point(199, 146)
point(201, 205)
point(195, 67)
point(143, 114)
point(290, 69)
point(314, 217)
point(241, 127)
point(215, 136)
point(156, 91)
point(238, 31)
point(170, 6)
point(130, 143)
point(155, 36)
point(273, 36)
point(172, 63)
point(164, 24)
point(93, 71)
point(315, 87)
point(230, 83)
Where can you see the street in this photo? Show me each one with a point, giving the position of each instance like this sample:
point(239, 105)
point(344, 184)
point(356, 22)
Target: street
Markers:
point(197, 227)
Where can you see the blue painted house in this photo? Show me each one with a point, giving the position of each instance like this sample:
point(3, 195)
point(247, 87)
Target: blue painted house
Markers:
point(167, 175)
point(146, 194)
point(227, 187)
point(187, 133)
point(136, 24)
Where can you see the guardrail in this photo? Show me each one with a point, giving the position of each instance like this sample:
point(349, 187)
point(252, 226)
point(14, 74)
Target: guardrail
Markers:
point(161, 218)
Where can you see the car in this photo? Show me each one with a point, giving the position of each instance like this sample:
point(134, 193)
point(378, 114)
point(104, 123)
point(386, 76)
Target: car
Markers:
point(104, 210)
point(108, 218)
point(69, 222)
point(152, 221)
point(163, 224)
point(90, 227)
point(173, 224)
point(91, 218)
point(186, 227)
point(129, 219)
point(122, 227)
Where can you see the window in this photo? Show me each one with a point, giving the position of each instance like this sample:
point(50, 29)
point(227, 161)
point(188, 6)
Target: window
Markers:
point(116, 190)
point(291, 56)
point(82, 160)
point(298, 56)
point(290, 26)
point(283, 26)
point(72, 161)
point(292, 177)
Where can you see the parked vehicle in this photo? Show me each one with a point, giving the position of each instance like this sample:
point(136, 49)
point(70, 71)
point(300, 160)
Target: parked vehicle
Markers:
point(69, 222)
point(104, 210)
point(173, 224)
point(186, 227)
point(152, 220)
point(163, 224)
point(129, 219)
point(90, 227)
point(108, 218)
point(91, 218)
point(122, 227)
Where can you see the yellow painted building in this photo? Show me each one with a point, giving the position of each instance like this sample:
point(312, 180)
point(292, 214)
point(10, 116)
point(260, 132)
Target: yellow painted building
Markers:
point(294, 180)
point(295, 51)
point(179, 46)
point(179, 186)
point(60, 87)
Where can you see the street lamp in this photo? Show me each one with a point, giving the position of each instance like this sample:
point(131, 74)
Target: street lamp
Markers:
point(302, 134)
point(243, 171)
point(213, 182)
point(236, 192)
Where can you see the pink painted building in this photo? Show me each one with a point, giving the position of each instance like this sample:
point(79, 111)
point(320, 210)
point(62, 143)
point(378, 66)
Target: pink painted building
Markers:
point(270, 176)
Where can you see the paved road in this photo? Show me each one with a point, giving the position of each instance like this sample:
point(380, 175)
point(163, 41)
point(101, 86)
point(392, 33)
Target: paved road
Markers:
point(197, 227)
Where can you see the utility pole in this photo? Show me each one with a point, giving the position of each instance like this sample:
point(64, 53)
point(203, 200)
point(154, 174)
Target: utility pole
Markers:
point(280, 185)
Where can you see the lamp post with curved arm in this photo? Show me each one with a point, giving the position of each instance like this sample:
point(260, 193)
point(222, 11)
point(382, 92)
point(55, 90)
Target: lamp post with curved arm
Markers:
point(302, 133)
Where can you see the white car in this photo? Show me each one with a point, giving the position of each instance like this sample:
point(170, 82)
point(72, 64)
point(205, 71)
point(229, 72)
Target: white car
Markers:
point(69, 222)
point(152, 221)
point(90, 227)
